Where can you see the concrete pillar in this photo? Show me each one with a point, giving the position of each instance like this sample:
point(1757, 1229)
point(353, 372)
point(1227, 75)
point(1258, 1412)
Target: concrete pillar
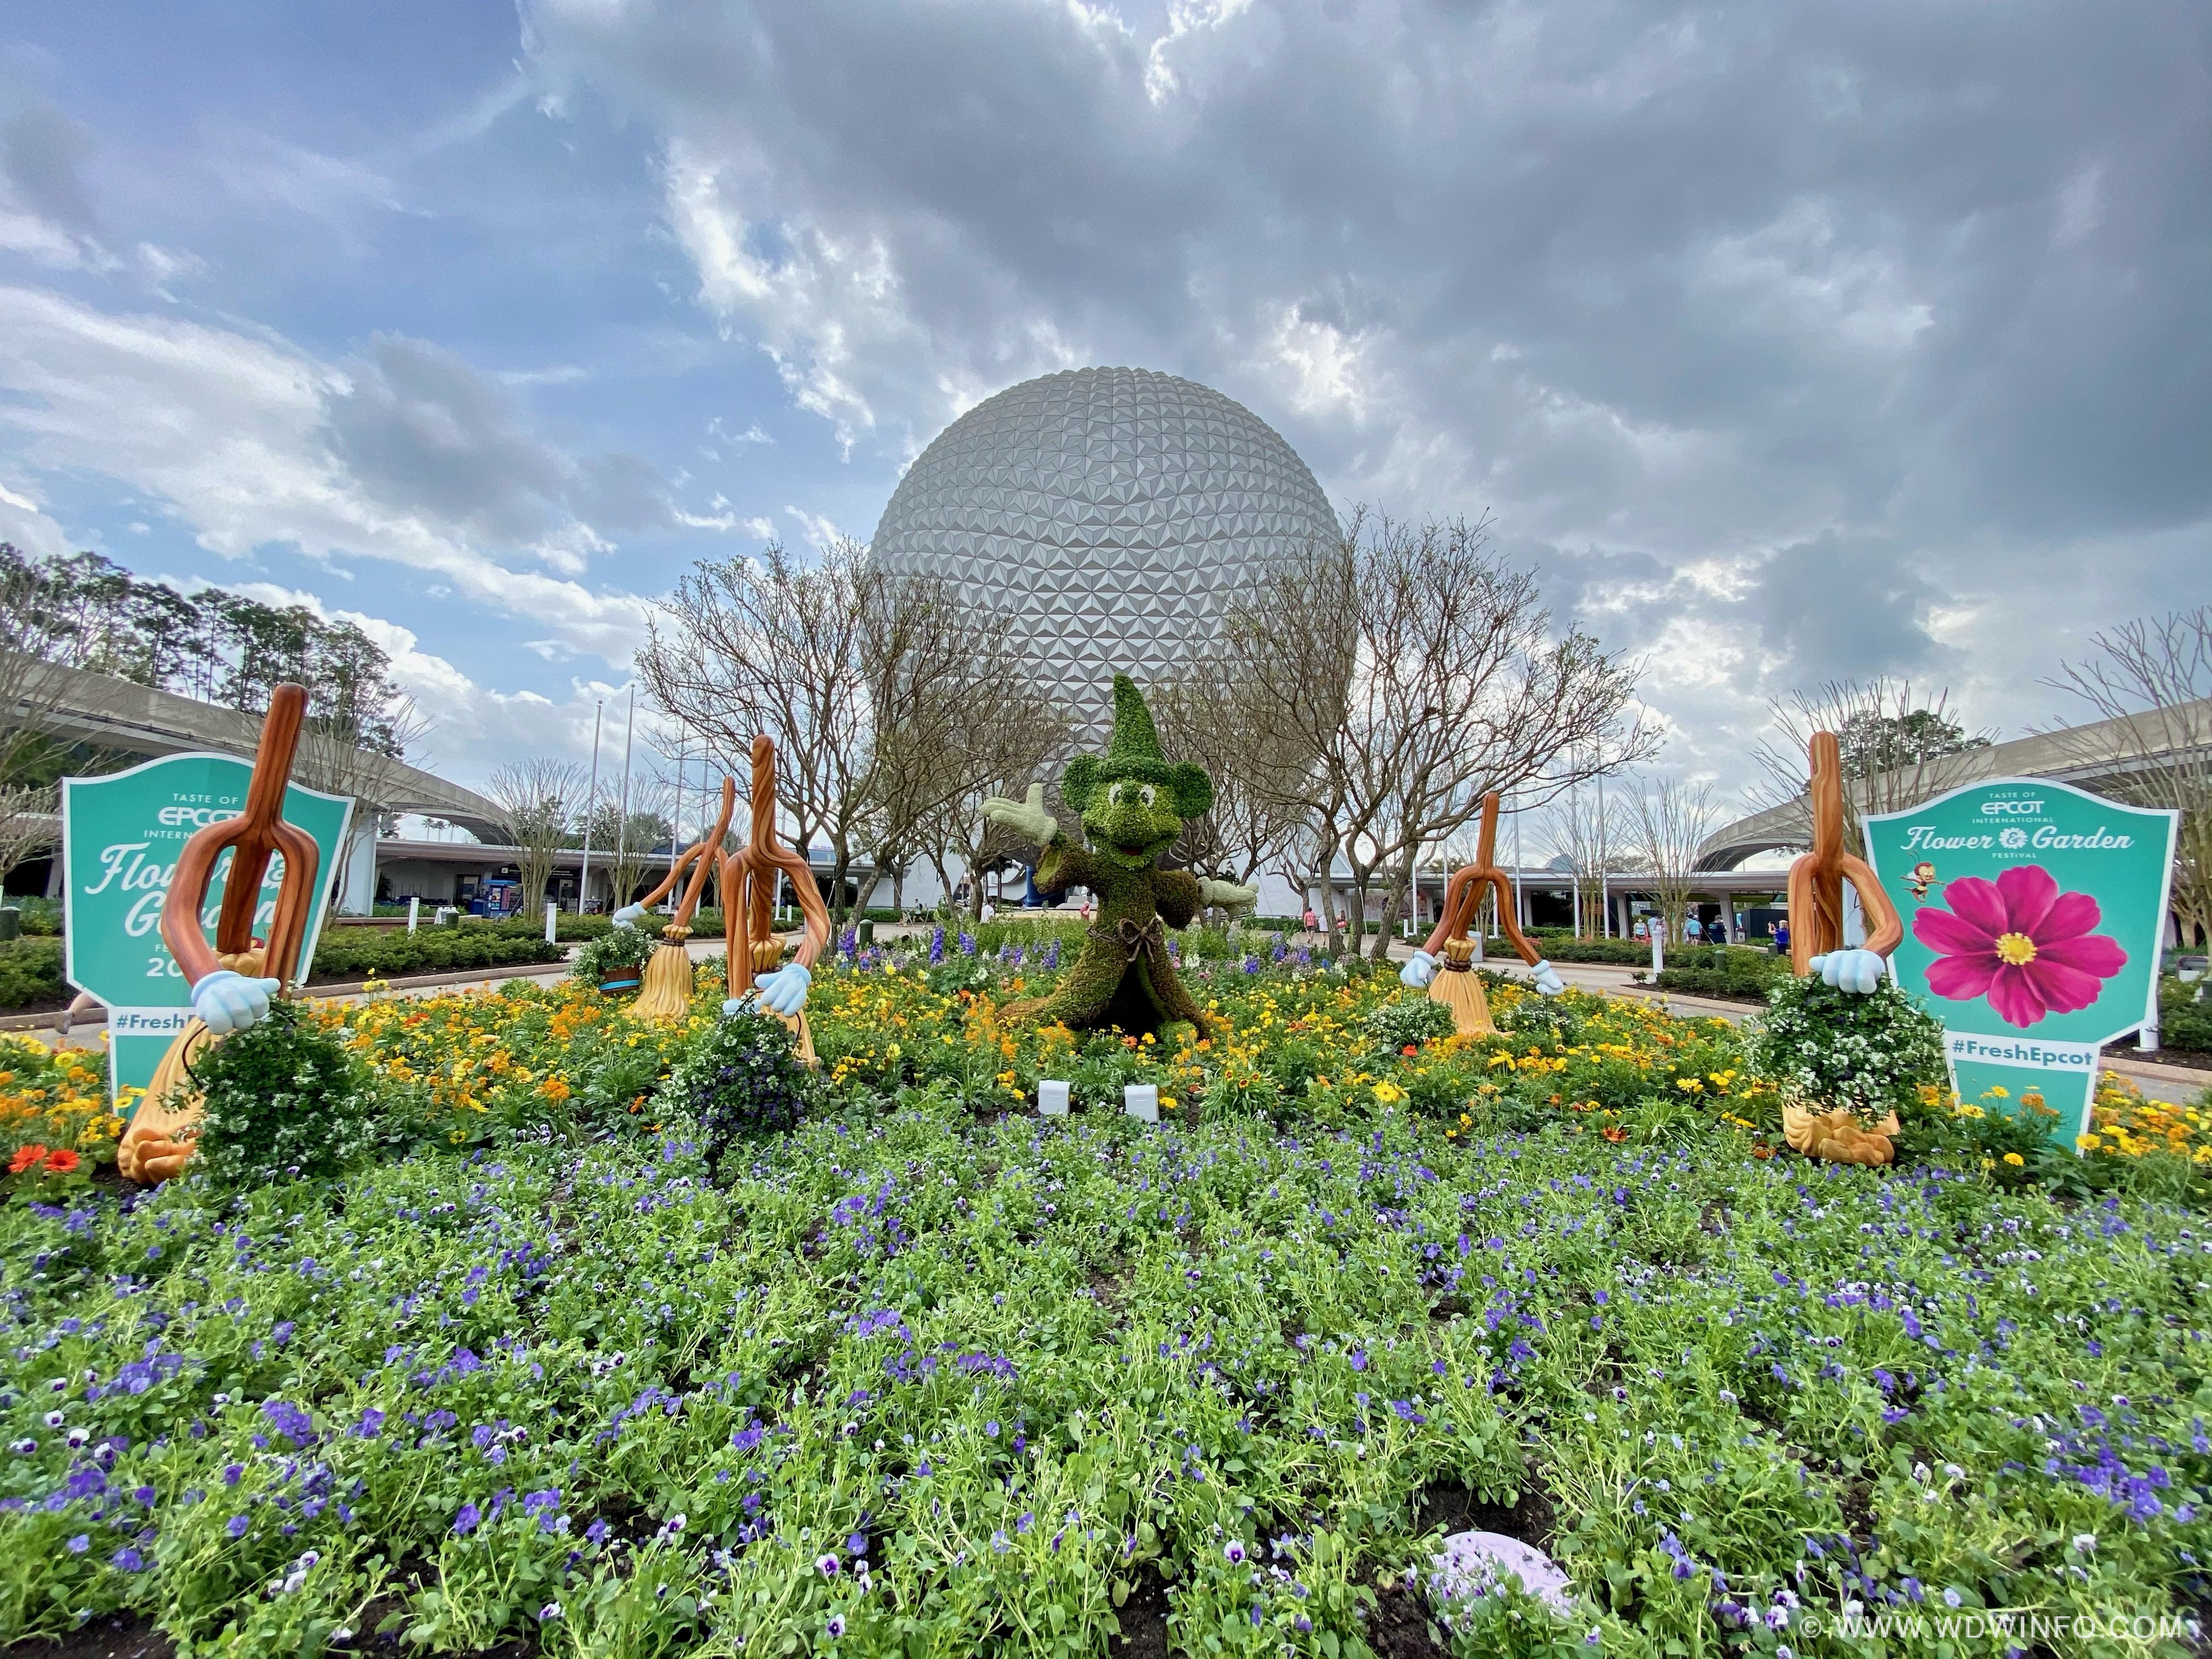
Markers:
point(360, 896)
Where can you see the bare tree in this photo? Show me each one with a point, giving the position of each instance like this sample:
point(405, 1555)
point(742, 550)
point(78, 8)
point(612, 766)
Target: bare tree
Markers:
point(35, 637)
point(1671, 819)
point(828, 660)
point(337, 756)
point(1592, 844)
point(1899, 748)
point(2151, 682)
point(1420, 672)
point(1251, 824)
point(625, 840)
point(28, 825)
point(1007, 740)
point(537, 800)
point(959, 719)
point(1287, 658)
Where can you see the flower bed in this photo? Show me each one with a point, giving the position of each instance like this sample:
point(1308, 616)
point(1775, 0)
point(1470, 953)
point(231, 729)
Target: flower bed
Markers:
point(929, 1374)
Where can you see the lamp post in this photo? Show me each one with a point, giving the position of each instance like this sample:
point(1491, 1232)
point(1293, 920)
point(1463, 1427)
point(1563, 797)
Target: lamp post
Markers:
point(622, 826)
point(1604, 855)
point(591, 806)
point(1520, 906)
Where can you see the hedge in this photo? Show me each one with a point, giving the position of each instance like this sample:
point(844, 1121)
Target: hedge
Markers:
point(358, 952)
point(30, 971)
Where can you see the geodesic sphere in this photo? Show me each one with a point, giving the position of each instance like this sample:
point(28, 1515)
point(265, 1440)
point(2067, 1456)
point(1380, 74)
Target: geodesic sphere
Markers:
point(1110, 515)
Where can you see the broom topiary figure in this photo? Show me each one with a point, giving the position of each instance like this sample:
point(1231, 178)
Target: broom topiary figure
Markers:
point(1132, 804)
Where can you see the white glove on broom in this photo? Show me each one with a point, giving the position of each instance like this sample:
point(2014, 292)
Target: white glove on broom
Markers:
point(227, 1002)
point(1547, 981)
point(783, 992)
point(1419, 971)
point(1855, 971)
point(626, 918)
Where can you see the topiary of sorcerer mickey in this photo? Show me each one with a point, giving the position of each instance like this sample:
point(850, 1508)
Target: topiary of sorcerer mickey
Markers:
point(1132, 804)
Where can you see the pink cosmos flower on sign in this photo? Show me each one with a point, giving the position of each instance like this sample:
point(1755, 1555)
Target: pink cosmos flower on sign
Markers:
point(2019, 942)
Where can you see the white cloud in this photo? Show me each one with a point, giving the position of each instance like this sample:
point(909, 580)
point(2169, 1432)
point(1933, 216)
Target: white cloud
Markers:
point(818, 304)
point(26, 524)
point(233, 433)
point(1773, 332)
point(473, 728)
point(263, 170)
point(817, 528)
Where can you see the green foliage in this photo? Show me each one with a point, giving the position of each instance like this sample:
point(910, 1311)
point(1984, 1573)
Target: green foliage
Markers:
point(1873, 742)
point(546, 1387)
point(1035, 1366)
point(1408, 1020)
point(1871, 1054)
point(1506, 1622)
point(2010, 1140)
point(41, 918)
point(214, 645)
point(616, 948)
point(1746, 975)
point(361, 952)
point(286, 1100)
point(30, 971)
point(2184, 1015)
point(1559, 946)
point(741, 1081)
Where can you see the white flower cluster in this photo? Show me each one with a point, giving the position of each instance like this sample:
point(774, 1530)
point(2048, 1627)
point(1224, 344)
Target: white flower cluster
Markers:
point(1828, 1048)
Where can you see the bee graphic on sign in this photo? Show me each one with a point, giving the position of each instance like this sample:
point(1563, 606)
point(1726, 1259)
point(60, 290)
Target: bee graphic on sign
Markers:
point(1922, 878)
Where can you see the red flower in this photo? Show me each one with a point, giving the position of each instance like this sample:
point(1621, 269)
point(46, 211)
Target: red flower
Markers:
point(2019, 942)
point(25, 1157)
point(61, 1161)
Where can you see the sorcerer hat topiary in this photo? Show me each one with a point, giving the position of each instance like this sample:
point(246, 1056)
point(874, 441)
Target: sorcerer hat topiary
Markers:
point(1133, 751)
point(1136, 740)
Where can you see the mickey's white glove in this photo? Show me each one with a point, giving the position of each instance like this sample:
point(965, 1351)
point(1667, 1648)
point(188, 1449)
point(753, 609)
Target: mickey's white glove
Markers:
point(1028, 817)
point(227, 1002)
point(1856, 971)
point(1419, 971)
point(626, 918)
point(1547, 980)
point(1226, 894)
point(783, 992)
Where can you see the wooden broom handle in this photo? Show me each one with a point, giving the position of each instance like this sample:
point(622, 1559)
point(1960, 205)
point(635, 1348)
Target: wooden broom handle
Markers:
point(1463, 894)
point(676, 867)
point(1817, 878)
point(749, 882)
point(702, 859)
point(698, 859)
point(252, 836)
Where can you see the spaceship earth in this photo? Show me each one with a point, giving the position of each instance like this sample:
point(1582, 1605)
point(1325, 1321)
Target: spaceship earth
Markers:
point(1111, 515)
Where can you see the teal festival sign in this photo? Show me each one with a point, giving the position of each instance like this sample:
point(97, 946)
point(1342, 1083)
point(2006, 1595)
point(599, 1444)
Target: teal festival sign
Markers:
point(121, 836)
point(2033, 915)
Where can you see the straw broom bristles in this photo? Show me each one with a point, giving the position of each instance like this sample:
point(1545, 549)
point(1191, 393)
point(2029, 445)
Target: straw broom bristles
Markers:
point(171, 1104)
point(1459, 989)
point(664, 993)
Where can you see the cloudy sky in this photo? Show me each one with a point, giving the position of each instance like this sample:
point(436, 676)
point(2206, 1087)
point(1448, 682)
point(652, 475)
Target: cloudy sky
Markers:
point(1842, 338)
